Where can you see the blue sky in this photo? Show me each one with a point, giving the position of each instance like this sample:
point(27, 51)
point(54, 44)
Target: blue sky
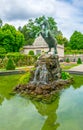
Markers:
point(67, 13)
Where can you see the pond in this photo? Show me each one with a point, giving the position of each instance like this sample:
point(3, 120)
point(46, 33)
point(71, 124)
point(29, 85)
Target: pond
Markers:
point(65, 113)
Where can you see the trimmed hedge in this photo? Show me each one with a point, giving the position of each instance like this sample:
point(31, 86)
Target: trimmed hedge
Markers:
point(69, 51)
point(10, 65)
point(18, 59)
point(31, 52)
point(67, 60)
point(79, 61)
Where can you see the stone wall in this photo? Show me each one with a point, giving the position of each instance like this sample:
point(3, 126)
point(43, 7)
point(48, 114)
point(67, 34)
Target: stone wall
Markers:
point(74, 57)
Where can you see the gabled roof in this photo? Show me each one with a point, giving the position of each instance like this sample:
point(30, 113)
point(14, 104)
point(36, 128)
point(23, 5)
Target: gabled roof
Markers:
point(39, 41)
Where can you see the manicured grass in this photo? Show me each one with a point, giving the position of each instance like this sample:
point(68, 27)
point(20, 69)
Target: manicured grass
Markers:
point(78, 81)
point(7, 83)
point(66, 66)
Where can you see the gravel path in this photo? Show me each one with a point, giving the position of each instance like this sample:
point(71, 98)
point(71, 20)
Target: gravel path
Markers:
point(77, 68)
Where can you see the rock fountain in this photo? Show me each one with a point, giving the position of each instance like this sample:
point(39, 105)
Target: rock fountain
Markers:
point(47, 75)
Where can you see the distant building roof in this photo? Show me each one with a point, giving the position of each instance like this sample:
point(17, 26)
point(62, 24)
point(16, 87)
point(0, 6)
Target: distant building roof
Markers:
point(39, 41)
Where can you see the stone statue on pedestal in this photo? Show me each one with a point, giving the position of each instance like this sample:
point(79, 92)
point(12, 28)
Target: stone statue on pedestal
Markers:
point(47, 35)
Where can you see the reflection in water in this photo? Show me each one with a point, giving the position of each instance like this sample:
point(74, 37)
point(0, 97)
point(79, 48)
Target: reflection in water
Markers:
point(70, 110)
point(48, 110)
point(19, 114)
point(65, 113)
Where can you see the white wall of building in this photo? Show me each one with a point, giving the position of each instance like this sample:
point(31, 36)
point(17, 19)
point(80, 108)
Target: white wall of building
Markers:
point(40, 46)
point(60, 50)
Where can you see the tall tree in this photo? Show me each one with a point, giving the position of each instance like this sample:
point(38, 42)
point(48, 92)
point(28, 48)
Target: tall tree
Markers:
point(76, 40)
point(31, 29)
point(62, 40)
point(11, 39)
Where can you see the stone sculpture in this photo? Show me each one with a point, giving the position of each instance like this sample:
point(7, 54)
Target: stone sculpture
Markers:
point(46, 79)
point(47, 35)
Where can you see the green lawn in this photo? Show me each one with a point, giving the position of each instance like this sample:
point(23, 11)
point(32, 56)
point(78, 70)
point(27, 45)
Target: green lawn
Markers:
point(78, 81)
point(66, 66)
point(7, 83)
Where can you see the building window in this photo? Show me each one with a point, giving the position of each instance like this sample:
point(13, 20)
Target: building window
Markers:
point(38, 52)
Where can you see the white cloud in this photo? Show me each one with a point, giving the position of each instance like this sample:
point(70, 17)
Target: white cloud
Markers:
point(78, 3)
point(68, 15)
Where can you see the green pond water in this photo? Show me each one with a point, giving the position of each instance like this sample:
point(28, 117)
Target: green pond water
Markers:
point(65, 113)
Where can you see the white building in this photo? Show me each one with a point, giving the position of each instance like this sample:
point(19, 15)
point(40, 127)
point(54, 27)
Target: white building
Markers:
point(40, 46)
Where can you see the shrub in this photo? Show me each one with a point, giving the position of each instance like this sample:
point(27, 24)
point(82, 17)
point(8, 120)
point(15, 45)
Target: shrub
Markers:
point(22, 59)
point(67, 60)
point(1, 64)
point(10, 65)
point(65, 75)
point(2, 50)
point(18, 58)
point(79, 61)
point(25, 79)
point(69, 51)
point(4, 62)
point(31, 52)
point(2, 56)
